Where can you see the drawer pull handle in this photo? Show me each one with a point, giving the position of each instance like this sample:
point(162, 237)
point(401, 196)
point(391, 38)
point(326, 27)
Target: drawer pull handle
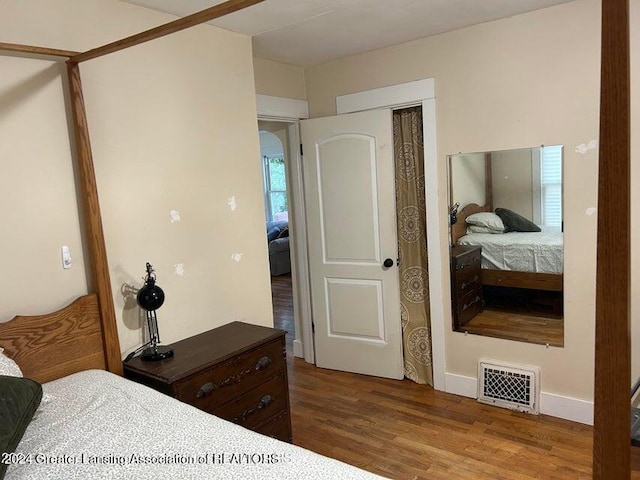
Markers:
point(263, 363)
point(206, 389)
point(472, 282)
point(264, 402)
point(471, 303)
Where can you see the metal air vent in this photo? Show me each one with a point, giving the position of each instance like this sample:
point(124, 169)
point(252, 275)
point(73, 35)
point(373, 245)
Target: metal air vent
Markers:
point(509, 386)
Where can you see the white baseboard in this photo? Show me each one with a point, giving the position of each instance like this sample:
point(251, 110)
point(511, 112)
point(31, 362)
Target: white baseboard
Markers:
point(573, 409)
point(297, 349)
point(459, 385)
point(566, 407)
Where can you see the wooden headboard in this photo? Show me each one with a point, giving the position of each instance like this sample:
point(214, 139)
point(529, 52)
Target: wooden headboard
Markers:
point(47, 347)
point(460, 227)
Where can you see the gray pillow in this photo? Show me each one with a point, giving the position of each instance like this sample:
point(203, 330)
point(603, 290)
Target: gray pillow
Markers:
point(514, 222)
point(19, 399)
point(273, 233)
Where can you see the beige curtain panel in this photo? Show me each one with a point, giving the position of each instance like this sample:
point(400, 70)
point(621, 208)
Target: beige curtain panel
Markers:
point(412, 244)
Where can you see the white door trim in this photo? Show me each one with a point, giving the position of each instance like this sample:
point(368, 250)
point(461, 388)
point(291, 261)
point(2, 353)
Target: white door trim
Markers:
point(420, 92)
point(393, 96)
point(303, 343)
point(272, 108)
point(291, 111)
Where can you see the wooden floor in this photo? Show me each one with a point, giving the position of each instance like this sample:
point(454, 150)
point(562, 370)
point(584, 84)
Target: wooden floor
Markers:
point(515, 326)
point(281, 293)
point(402, 430)
point(399, 429)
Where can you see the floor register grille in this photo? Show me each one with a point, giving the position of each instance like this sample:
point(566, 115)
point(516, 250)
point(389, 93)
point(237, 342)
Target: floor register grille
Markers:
point(509, 386)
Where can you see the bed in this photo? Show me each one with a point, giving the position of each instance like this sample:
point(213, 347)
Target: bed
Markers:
point(96, 424)
point(532, 260)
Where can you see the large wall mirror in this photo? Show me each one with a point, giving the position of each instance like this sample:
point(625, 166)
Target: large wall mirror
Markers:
point(505, 212)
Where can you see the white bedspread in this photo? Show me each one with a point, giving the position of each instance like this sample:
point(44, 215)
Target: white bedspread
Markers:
point(540, 252)
point(101, 426)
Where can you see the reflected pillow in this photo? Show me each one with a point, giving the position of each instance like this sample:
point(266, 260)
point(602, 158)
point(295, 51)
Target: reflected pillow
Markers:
point(481, 229)
point(488, 220)
point(514, 222)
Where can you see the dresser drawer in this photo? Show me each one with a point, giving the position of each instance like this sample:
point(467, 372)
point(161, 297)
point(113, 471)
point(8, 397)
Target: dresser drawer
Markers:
point(468, 260)
point(277, 427)
point(215, 386)
point(469, 306)
point(468, 280)
point(257, 405)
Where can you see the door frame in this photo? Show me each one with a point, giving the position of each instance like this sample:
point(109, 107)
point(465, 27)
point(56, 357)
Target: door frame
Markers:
point(420, 92)
point(291, 111)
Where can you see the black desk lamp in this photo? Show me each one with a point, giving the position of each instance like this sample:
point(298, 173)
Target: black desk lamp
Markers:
point(150, 298)
point(453, 214)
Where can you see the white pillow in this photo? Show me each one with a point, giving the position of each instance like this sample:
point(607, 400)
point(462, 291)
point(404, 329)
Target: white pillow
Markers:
point(488, 220)
point(11, 369)
point(480, 229)
point(8, 367)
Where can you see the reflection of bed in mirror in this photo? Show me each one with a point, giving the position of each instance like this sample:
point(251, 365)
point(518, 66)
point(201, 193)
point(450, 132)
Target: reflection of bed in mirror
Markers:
point(531, 260)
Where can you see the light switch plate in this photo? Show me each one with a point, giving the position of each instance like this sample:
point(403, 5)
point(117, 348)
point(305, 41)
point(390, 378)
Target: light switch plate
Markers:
point(66, 257)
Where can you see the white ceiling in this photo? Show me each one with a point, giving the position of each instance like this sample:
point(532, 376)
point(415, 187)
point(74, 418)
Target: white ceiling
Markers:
point(309, 32)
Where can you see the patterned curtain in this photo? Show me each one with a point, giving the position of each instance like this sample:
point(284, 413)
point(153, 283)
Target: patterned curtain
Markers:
point(412, 244)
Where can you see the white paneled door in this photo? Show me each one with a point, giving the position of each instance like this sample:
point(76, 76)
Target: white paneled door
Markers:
point(350, 202)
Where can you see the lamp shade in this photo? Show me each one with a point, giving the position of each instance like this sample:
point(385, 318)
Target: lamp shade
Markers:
point(150, 296)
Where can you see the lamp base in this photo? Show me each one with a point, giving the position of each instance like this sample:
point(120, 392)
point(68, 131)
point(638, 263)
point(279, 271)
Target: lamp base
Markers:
point(159, 352)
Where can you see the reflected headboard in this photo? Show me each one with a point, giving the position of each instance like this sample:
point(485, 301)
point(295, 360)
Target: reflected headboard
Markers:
point(460, 227)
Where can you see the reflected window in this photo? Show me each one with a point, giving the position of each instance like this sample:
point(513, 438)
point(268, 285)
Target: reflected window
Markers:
point(549, 211)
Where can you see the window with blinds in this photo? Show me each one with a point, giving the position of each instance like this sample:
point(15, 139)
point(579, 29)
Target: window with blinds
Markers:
point(551, 186)
point(275, 187)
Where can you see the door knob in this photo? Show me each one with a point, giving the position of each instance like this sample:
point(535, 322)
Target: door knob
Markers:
point(388, 263)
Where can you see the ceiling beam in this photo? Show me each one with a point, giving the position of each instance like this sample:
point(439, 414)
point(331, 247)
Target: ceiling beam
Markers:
point(612, 406)
point(185, 22)
point(53, 52)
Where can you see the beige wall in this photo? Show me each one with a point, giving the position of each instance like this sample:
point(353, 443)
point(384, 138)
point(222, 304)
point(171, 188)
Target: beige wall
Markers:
point(467, 181)
point(512, 181)
point(523, 81)
point(279, 79)
point(173, 127)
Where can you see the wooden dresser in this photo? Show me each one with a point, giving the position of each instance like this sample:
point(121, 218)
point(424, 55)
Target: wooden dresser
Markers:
point(237, 372)
point(466, 284)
